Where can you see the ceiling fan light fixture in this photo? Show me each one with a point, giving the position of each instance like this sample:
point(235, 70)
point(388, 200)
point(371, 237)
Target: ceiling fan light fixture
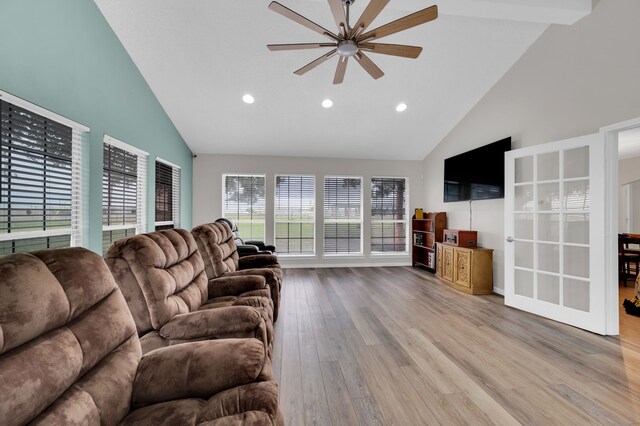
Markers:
point(401, 107)
point(248, 99)
point(327, 103)
point(347, 48)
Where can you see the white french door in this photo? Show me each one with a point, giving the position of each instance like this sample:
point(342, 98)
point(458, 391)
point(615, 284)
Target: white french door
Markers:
point(555, 231)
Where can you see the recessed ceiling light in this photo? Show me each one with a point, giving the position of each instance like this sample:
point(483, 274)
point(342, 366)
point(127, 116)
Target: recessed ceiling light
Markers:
point(248, 99)
point(327, 103)
point(401, 107)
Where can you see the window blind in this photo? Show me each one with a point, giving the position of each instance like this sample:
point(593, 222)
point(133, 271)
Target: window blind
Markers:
point(244, 203)
point(388, 215)
point(167, 195)
point(123, 191)
point(342, 215)
point(41, 178)
point(295, 200)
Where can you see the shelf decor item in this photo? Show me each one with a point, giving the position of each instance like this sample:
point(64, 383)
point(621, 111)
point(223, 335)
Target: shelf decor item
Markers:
point(426, 232)
point(460, 238)
point(419, 214)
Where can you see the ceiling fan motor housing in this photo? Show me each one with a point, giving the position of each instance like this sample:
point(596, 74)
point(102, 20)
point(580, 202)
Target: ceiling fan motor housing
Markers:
point(347, 48)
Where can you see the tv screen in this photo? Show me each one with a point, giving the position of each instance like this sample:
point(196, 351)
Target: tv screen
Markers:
point(476, 174)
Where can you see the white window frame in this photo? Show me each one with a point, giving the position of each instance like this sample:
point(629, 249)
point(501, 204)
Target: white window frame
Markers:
point(141, 190)
point(406, 221)
point(175, 194)
point(360, 221)
point(308, 221)
point(79, 185)
point(238, 222)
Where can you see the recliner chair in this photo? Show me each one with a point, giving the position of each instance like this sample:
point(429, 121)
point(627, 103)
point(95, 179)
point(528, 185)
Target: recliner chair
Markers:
point(221, 260)
point(249, 247)
point(161, 275)
point(70, 355)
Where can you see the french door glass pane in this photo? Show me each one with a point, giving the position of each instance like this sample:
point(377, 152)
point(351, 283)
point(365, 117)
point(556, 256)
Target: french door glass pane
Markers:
point(576, 195)
point(523, 226)
point(549, 166)
point(576, 294)
point(549, 257)
point(576, 261)
point(549, 196)
point(549, 288)
point(523, 198)
point(576, 162)
point(524, 283)
point(524, 169)
point(576, 228)
point(549, 227)
point(523, 254)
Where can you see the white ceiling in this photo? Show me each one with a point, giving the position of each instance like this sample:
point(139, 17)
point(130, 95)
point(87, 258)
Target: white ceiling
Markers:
point(629, 144)
point(200, 56)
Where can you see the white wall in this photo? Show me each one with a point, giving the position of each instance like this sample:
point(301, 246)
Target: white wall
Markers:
point(207, 193)
point(572, 81)
point(628, 171)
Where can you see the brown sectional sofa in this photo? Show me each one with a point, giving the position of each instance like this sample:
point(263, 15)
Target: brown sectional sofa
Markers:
point(161, 275)
point(221, 260)
point(70, 354)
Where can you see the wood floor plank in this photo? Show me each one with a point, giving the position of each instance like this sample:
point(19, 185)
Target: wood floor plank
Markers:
point(394, 346)
point(340, 405)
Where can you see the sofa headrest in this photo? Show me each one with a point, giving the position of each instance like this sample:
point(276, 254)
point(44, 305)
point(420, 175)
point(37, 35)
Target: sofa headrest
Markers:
point(44, 290)
point(68, 344)
point(161, 275)
point(217, 247)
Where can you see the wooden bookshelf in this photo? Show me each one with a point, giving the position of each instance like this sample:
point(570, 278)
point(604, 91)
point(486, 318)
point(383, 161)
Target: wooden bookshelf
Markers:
point(425, 233)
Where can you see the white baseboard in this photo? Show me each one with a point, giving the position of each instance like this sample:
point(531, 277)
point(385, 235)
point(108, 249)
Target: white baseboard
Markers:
point(498, 291)
point(343, 265)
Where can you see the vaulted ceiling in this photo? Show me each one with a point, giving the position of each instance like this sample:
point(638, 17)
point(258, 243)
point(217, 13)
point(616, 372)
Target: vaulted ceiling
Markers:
point(200, 57)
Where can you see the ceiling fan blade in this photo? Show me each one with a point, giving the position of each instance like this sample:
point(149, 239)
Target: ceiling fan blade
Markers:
point(315, 63)
point(368, 65)
point(288, 13)
point(340, 70)
point(298, 46)
point(370, 13)
point(409, 21)
point(392, 49)
point(337, 9)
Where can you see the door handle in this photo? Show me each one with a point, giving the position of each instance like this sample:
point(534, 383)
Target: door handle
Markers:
point(509, 239)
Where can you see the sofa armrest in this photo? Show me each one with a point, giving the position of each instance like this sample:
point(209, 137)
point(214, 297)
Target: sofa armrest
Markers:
point(197, 370)
point(247, 249)
point(234, 286)
point(257, 261)
point(262, 246)
point(236, 321)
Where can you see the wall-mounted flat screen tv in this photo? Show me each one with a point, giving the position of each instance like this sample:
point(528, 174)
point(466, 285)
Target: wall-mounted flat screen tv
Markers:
point(477, 174)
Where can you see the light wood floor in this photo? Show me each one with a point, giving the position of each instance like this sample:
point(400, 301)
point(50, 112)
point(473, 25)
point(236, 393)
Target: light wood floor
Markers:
point(629, 324)
point(393, 346)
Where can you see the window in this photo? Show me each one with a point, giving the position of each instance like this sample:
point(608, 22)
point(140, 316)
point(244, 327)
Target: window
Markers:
point(40, 178)
point(244, 203)
point(124, 176)
point(342, 215)
point(295, 214)
point(167, 195)
point(388, 215)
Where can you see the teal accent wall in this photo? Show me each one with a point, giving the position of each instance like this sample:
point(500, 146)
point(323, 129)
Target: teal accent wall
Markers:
point(64, 56)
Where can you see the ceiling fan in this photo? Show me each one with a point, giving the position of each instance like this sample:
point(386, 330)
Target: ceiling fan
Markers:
point(354, 41)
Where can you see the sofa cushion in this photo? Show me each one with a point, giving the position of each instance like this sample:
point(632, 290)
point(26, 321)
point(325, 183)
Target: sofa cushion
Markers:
point(69, 346)
point(161, 275)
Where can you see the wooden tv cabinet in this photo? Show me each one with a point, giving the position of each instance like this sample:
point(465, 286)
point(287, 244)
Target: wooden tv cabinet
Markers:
point(465, 269)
